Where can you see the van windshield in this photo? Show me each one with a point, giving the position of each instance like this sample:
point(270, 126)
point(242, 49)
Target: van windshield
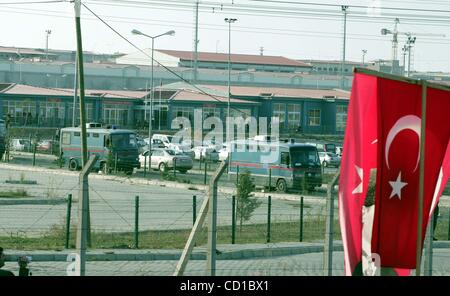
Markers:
point(303, 156)
point(121, 141)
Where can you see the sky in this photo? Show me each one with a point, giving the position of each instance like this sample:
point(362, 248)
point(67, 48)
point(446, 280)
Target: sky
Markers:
point(283, 28)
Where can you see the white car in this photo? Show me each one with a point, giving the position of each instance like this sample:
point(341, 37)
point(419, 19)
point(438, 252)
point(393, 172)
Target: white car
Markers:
point(205, 152)
point(166, 159)
point(329, 159)
point(224, 152)
point(20, 144)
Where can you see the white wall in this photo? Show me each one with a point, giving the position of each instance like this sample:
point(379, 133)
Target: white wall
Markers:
point(138, 58)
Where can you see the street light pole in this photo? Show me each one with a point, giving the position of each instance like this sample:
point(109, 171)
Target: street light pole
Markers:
point(150, 118)
point(229, 21)
point(136, 32)
point(364, 51)
point(344, 9)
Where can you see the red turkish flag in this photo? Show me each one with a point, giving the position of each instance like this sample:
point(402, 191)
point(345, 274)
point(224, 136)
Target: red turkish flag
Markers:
point(358, 158)
point(383, 132)
point(396, 209)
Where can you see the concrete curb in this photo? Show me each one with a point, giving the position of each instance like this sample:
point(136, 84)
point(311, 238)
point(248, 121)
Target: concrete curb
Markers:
point(32, 201)
point(246, 252)
point(227, 252)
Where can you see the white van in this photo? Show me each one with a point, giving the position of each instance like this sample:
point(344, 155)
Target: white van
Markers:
point(166, 139)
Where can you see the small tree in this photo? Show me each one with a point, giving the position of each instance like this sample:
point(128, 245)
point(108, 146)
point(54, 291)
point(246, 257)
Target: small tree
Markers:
point(246, 204)
point(109, 162)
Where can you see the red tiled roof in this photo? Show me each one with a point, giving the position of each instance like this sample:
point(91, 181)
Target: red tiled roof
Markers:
point(235, 58)
point(21, 89)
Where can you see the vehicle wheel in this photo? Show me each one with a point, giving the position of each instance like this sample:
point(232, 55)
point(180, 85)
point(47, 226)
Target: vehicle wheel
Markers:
point(162, 167)
point(325, 164)
point(281, 186)
point(73, 164)
point(183, 171)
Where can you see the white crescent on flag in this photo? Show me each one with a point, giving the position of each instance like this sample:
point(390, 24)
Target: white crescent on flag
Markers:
point(410, 122)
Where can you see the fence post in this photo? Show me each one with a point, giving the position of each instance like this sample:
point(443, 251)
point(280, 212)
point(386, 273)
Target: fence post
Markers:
point(174, 167)
point(69, 210)
point(115, 163)
point(270, 179)
point(34, 154)
point(233, 219)
point(269, 209)
point(61, 160)
point(145, 166)
point(301, 218)
point(136, 222)
point(448, 235)
point(204, 180)
point(194, 209)
point(329, 232)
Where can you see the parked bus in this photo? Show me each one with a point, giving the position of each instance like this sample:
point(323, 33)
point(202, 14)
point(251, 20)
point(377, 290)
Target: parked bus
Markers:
point(120, 143)
point(295, 166)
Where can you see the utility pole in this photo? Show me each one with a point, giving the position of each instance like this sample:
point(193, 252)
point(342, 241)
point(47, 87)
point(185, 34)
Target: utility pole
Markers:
point(75, 90)
point(196, 43)
point(261, 50)
point(344, 9)
point(83, 235)
point(229, 21)
point(411, 40)
point(159, 114)
point(404, 50)
point(48, 32)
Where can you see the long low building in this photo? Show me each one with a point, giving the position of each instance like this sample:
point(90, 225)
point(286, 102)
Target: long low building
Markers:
point(310, 111)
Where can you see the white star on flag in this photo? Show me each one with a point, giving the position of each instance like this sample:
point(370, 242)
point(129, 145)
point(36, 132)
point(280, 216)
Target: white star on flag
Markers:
point(397, 186)
point(359, 188)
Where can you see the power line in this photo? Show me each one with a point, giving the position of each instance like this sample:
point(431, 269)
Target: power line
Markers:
point(33, 2)
point(166, 68)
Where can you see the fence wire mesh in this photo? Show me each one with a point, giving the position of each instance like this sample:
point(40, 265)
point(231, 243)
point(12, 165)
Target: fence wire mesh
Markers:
point(282, 236)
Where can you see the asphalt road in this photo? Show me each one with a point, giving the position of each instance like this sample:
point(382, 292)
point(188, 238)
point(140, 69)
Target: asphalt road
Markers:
point(112, 204)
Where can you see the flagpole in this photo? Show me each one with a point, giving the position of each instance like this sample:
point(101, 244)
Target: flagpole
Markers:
point(421, 178)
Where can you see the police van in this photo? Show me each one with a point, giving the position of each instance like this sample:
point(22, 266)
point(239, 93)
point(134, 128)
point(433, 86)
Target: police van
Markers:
point(284, 166)
point(119, 145)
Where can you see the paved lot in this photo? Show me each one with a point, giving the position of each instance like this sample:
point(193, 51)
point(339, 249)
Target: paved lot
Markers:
point(113, 204)
point(294, 265)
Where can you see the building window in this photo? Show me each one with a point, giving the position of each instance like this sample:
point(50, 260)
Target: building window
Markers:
point(314, 117)
point(279, 110)
point(210, 112)
point(187, 112)
point(237, 112)
point(294, 116)
point(341, 117)
point(89, 112)
point(21, 112)
point(66, 138)
point(51, 113)
point(115, 114)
